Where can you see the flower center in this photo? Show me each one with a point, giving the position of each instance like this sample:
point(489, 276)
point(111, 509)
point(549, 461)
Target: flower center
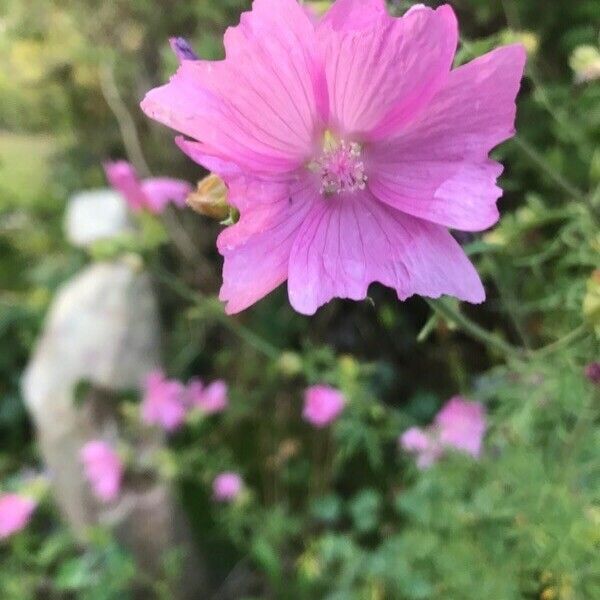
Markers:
point(340, 166)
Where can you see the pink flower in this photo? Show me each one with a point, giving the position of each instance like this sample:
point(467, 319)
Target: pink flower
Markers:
point(423, 445)
point(211, 399)
point(460, 425)
point(322, 405)
point(151, 194)
point(15, 513)
point(592, 372)
point(227, 486)
point(349, 146)
point(164, 402)
point(103, 470)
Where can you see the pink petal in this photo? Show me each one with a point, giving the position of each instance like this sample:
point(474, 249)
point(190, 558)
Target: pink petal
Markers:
point(162, 190)
point(380, 77)
point(347, 242)
point(354, 15)
point(415, 440)
point(259, 107)
point(322, 405)
point(122, 177)
point(257, 248)
point(15, 513)
point(462, 425)
point(200, 154)
point(438, 169)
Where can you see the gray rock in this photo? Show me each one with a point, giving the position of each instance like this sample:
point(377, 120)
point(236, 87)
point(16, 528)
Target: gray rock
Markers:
point(103, 328)
point(96, 215)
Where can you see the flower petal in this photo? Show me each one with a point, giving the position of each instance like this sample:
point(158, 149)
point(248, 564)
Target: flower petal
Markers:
point(348, 242)
point(259, 107)
point(438, 169)
point(380, 76)
point(352, 15)
point(162, 190)
point(123, 178)
point(257, 248)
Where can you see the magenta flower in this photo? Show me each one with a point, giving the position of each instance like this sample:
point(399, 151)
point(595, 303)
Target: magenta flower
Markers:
point(164, 402)
point(460, 425)
point(15, 513)
point(103, 470)
point(424, 445)
point(227, 487)
point(151, 194)
point(592, 372)
point(210, 399)
point(349, 146)
point(322, 405)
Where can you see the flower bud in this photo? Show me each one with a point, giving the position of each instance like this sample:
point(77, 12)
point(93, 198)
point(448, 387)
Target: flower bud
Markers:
point(210, 198)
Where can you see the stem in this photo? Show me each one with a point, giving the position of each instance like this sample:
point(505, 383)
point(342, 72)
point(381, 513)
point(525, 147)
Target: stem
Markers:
point(474, 330)
point(540, 161)
point(563, 342)
point(214, 309)
point(110, 91)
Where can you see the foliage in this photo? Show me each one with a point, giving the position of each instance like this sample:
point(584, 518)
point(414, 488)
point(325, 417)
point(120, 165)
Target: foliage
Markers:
point(340, 512)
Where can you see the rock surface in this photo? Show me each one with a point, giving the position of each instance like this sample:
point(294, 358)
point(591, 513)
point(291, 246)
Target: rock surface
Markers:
point(103, 329)
point(96, 215)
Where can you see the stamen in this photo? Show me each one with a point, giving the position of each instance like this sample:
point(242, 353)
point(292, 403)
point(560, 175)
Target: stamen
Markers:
point(340, 166)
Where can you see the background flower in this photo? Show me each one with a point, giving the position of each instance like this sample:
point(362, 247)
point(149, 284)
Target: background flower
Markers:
point(461, 425)
point(227, 486)
point(163, 403)
point(152, 194)
point(209, 399)
point(103, 469)
point(322, 405)
point(15, 513)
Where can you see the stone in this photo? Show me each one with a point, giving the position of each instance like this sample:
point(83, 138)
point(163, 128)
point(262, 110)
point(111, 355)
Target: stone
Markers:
point(96, 215)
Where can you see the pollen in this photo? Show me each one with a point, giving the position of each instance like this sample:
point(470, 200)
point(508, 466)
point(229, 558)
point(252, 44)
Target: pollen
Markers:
point(340, 166)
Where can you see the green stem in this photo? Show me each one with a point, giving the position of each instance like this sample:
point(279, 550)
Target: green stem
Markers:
point(475, 331)
point(540, 161)
point(214, 309)
point(564, 342)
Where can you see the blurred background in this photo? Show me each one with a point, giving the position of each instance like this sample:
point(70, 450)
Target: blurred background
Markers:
point(335, 512)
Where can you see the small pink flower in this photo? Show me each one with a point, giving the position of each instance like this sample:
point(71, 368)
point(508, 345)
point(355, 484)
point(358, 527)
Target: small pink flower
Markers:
point(15, 513)
point(350, 147)
point(210, 399)
point(322, 405)
point(422, 444)
point(461, 425)
point(164, 402)
point(103, 470)
point(151, 194)
point(227, 487)
point(592, 372)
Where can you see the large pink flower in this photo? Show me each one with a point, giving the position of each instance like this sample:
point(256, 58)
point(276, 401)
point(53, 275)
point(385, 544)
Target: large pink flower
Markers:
point(152, 194)
point(349, 146)
point(15, 512)
point(103, 470)
point(164, 402)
